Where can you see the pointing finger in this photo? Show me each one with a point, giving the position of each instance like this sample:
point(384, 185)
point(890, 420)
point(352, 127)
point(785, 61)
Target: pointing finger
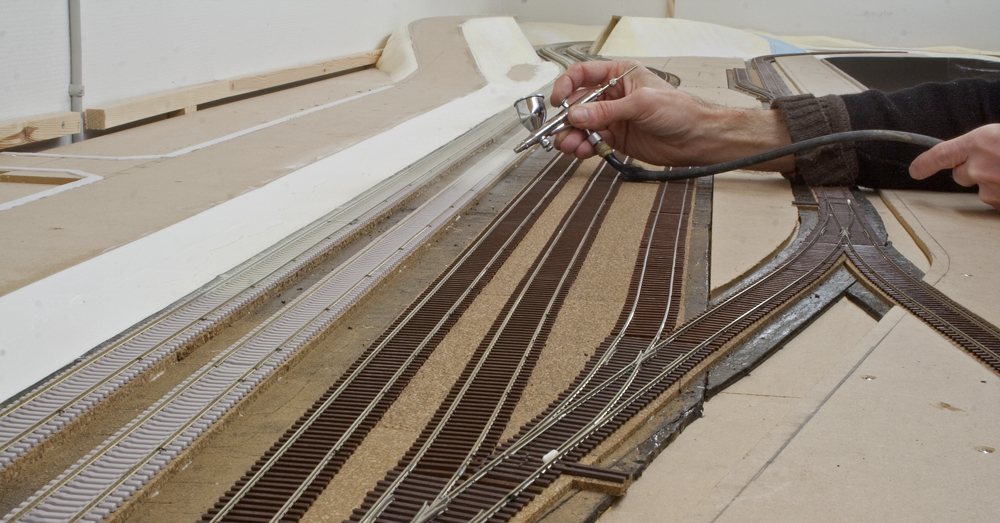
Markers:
point(945, 155)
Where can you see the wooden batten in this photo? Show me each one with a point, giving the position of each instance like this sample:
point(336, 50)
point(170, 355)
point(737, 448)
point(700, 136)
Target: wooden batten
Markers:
point(20, 131)
point(127, 111)
point(595, 48)
point(184, 100)
point(270, 79)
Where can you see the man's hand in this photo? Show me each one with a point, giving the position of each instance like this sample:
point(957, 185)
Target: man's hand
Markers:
point(645, 117)
point(974, 159)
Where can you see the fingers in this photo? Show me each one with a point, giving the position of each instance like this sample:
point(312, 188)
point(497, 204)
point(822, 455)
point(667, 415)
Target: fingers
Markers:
point(945, 155)
point(974, 159)
point(574, 142)
point(598, 116)
point(587, 74)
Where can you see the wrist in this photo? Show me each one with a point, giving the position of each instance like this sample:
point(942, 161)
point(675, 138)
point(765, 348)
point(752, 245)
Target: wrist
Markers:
point(735, 133)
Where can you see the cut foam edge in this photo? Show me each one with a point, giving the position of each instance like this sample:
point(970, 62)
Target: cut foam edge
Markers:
point(499, 47)
point(49, 323)
point(398, 59)
point(641, 36)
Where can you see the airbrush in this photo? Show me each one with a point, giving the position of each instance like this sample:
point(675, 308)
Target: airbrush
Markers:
point(531, 111)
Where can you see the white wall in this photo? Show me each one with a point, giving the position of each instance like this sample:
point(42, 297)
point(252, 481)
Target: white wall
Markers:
point(34, 57)
point(891, 23)
point(582, 12)
point(132, 48)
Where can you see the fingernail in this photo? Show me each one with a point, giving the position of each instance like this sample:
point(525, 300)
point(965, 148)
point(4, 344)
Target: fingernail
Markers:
point(579, 114)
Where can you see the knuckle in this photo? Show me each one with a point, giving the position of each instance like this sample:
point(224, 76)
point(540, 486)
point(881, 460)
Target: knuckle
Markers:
point(644, 94)
point(992, 133)
point(601, 111)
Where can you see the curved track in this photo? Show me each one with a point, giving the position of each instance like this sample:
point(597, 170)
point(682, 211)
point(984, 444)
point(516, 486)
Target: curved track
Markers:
point(458, 471)
point(114, 471)
point(42, 412)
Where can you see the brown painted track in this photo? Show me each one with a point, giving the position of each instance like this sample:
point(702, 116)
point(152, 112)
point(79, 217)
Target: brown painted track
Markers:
point(655, 291)
point(472, 418)
point(508, 486)
point(633, 367)
point(676, 355)
point(427, 320)
point(958, 324)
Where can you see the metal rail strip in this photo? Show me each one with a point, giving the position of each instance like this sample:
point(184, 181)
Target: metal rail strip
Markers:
point(501, 327)
point(609, 414)
point(115, 471)
point(44, 411)
point(568, 406)
point(483, 274)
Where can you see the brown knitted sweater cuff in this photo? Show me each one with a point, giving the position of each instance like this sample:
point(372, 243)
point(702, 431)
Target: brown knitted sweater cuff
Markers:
point(807, 117)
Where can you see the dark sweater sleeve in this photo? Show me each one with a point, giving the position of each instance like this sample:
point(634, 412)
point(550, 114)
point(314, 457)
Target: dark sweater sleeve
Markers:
point(808, 117)
point(943, 110)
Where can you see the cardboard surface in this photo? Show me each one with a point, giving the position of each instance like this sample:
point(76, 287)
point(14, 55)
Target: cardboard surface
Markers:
point(752, 219)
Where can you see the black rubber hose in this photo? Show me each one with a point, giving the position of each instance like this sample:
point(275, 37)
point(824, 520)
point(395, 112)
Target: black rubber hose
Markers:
point(634, 173)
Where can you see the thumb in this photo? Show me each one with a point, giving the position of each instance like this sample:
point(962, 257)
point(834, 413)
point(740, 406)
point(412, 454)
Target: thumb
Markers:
point(597, 116)
point(945, 155)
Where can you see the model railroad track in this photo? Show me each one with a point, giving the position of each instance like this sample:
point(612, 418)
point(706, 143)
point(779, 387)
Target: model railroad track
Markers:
point(569, 53)
point(469, 422)
point(113, 472)
point(958, 324)
point(280, 487)
point(456, 471)
point(620, 380)
point(638, 372)
point(55, 403)
point(434, 466)
point(289, 477)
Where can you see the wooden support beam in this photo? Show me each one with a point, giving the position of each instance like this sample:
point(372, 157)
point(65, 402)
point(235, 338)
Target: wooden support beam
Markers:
point(595, 48)
point(270, 79)
point(20, 131)
point(127, 111)
point(180, 101)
